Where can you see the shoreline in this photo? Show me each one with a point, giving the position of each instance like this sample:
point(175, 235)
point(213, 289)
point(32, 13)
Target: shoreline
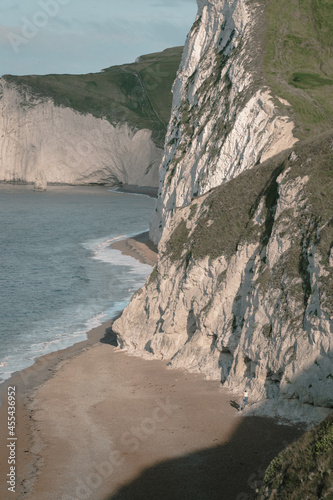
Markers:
point(125, 188)
point(139, 247)
point(94, 415)
point(97, 423)
point(26, 383)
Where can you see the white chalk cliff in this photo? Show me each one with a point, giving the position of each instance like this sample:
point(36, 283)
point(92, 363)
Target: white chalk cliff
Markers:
point(241, 291)
point(65, 146)
point(224, 119)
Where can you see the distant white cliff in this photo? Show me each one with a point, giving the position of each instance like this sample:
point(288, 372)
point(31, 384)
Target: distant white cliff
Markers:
point(68, 147)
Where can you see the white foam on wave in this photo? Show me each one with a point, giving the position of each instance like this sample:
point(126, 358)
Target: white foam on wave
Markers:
point(25, 355)
point(103, 251)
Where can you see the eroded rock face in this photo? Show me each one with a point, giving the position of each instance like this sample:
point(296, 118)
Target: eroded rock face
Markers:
point(38, 138)
point(242, 288)
point(224, 120)
point(241, 291)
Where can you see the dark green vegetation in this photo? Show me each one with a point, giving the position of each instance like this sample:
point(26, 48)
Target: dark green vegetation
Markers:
point(153, 276)
point(299, 61)
point(138, 93)
point(178, 241)
point(309, 80)
point(225, 220)
point(304, 470)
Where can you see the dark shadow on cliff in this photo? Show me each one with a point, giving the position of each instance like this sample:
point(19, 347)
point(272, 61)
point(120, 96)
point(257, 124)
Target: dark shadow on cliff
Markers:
point(229, 471)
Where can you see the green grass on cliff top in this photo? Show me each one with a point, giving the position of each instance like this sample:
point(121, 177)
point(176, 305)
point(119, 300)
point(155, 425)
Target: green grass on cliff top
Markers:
point(299, 60)
point(137, 93)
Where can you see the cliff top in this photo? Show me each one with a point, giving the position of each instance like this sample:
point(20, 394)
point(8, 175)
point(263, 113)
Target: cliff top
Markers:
point(298, 62)
point(138, 93)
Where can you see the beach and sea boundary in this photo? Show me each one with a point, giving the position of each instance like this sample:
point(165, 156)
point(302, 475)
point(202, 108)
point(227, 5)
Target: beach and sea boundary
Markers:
point(93, 422)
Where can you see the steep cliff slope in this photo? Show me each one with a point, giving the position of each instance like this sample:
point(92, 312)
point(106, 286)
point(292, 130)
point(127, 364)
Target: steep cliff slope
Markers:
point(242, 290)
point(255, 76)
point(304, 469)
point(106, 127)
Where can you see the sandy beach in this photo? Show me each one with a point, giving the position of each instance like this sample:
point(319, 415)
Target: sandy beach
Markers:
point(93, 422)
point(140, 247)
point(134, 189)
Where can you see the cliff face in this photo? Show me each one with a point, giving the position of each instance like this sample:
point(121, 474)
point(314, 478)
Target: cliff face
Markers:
point(242, 288)
point(243, 284)
point(224, 118)
point(106, 127)
point(39, 139)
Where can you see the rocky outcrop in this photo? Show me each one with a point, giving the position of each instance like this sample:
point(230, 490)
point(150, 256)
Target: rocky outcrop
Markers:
point(224, 119)
point(242, 287)
point(38, 139)
point(241, 291)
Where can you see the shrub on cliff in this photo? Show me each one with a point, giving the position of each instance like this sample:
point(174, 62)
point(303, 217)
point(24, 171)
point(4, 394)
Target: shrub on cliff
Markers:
point(304, 470)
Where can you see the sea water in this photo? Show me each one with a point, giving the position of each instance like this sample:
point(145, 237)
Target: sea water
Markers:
point(59, 277)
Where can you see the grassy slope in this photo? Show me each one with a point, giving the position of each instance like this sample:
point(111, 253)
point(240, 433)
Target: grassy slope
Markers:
point(304, 470)
point(299, 60)
point(225, 222)
point(299, 67)
point(138, 93)
point(231, 206)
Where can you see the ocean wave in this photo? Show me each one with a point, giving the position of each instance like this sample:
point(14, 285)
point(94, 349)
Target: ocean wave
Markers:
point(62, 287)
point(102, 250)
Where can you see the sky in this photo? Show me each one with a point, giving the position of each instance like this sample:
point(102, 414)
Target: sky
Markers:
point(86, 36)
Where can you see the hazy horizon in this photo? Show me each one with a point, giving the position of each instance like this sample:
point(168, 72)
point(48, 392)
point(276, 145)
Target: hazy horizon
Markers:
point(86, 36)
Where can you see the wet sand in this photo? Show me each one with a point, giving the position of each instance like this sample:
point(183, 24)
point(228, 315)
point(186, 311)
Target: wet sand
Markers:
point(140, 247)
point(95, 423)
point(134, 189)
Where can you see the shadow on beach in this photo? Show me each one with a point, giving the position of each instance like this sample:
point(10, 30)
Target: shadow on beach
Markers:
point(110, 336)
point(231, 471)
